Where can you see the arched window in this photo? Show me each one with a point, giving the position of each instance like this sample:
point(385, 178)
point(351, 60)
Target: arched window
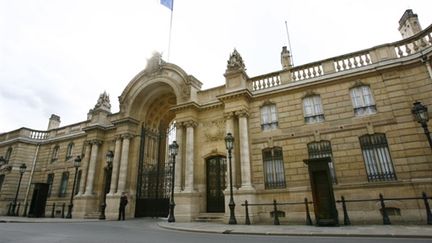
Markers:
point(363, 101)
point(55, 152)
point(8, 154)
point(69, 150)
point(274, 172)
point(312, 109)
point(376, 155)
point(269, 120)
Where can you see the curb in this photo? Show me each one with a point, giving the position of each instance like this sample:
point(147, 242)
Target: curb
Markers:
point(310, 234)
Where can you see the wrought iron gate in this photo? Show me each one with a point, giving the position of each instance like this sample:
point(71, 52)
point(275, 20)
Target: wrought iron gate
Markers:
point(154, 177)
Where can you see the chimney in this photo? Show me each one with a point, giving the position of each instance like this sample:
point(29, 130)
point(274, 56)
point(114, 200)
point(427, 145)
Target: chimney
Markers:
point(54, 122)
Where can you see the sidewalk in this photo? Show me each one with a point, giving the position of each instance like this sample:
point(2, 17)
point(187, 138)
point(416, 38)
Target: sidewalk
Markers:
point(401, 231)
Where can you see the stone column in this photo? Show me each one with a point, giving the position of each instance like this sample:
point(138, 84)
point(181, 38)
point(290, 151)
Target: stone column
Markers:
point(229, 127)
point(189, 158)
point(179, 162)
point(115, 166)
point(244, 150)
point(123, 163)
point(84, 168)
point(92, 167)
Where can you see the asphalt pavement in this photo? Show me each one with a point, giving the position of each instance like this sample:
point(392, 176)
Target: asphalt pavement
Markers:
point(401, 231)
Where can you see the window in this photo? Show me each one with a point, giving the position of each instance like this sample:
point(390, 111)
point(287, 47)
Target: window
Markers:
point(363, 101)
point(69, 151)
point(376, 155)
point(322, 149)
point(55, 152)
point(63, 184)
point(2, 177)
point(50, 180)
point(78, 182)
point(312, 108)
point(274, 173)
point(269, 117)
point(8, 155)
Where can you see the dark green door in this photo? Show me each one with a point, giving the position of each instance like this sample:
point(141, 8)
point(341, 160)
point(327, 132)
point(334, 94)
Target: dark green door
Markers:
point(322, 192)
point(216, 171)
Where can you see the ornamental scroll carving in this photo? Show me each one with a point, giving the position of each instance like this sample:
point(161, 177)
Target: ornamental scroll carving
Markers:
point(214, 130)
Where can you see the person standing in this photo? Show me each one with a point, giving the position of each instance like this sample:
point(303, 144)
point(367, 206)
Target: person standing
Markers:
point(123, 203)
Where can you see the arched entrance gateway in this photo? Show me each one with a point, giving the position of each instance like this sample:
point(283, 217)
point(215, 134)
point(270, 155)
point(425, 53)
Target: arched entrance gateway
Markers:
point(149, 100)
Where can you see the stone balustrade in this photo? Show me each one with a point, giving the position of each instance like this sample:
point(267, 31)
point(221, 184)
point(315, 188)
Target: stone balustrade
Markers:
point(346, 62)
point(26, 133)
point(265, 81)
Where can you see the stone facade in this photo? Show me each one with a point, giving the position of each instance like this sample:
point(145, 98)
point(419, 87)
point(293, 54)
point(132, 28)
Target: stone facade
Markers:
point(164, 96)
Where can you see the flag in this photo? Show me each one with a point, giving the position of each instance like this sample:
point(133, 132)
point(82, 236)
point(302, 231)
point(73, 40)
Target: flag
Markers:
point(168, 3)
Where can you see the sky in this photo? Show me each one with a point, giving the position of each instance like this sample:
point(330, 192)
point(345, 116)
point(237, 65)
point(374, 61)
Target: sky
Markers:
point(58, 56)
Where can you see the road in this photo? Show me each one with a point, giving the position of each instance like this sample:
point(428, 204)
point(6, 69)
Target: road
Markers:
point(147, 230)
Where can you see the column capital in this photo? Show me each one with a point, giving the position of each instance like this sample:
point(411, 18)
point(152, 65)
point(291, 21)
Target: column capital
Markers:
point(95, 142)
point(190, 123)
point(127, 135)
point(242, 113)
point(179, 125)
point(228, 115)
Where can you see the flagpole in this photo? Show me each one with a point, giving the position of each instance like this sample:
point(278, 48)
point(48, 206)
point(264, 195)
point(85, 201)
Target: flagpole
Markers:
point(169, 36)
point(289, 43)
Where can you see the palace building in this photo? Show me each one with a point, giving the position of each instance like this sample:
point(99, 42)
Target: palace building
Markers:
point(343, 126)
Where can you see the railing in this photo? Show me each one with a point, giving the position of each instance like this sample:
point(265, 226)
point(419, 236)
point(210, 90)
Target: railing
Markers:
point(275, 213)
point(24, 133)
point(381, 199)
point(52, 208)
point(38, 135)
point(345, 62)
point(383, 209)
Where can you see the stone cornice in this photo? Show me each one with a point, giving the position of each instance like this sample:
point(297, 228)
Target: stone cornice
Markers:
point(185, 106)
point(235, 95)
point(125, 120)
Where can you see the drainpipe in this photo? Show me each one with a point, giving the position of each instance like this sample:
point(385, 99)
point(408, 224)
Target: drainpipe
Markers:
point(31, 174)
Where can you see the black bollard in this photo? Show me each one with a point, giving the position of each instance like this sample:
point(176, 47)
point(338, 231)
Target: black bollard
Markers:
point(308, 217)
point(25, 209)
point(428, 211)
point(9, 212)
point(63, 210)
point(386, 219)
point(53, 210)
point(18, 209)
point(275, 214)
point(347, 220)
point(247, 222)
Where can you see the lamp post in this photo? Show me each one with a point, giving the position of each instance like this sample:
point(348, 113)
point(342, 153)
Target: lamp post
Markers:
point(421, 115)
point(229, 142)
point(108, 169)
point(2, 160)
point(22, 169)
point(173, 149)
point(77, 163)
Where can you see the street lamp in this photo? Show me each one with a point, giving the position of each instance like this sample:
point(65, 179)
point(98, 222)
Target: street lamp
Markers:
point(108, 169)
point(173, 149)
point(421, 115)
point(77, 163)
point(229, 142)
point(22, 169)
point(2, 160)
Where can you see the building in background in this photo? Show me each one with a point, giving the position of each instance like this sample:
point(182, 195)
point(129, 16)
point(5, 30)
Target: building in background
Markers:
point(342, 126)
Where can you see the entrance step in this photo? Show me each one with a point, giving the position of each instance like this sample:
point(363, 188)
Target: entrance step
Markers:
point(94, 215)
point(210, 217)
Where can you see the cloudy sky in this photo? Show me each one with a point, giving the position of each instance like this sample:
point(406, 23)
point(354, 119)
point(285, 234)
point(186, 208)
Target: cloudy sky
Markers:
point(57, 56)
